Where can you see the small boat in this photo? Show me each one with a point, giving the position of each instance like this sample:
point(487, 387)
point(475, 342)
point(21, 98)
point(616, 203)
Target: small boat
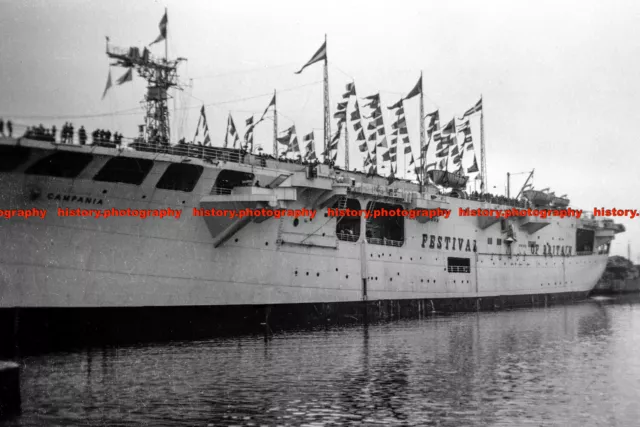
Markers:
point(448, 179)
point(538, 198)
point(560, 202)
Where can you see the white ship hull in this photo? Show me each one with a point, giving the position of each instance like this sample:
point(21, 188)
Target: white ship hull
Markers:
point(126, 262)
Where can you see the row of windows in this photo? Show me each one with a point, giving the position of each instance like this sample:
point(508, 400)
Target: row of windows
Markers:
point(126, 170)
point(490, 241)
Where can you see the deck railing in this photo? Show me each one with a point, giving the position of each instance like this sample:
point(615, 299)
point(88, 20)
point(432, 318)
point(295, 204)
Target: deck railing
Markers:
point(385, 242)
point(458, 269)
point(348, 237)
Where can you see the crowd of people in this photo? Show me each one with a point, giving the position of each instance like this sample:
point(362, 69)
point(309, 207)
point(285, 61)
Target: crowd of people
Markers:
point(103, 137)
point(67, 133)
point(41, 133)
point(500, 200)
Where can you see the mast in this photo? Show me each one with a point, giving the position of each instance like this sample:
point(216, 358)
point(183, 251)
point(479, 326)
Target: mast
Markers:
point(275, 125)
point(161, 75)
point(346, 141)
point(422, 136)
point(166, 61)
point(327, 120)
point(483, 159)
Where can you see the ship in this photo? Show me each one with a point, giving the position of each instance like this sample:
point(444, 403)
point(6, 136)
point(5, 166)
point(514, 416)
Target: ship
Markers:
point(73, 279)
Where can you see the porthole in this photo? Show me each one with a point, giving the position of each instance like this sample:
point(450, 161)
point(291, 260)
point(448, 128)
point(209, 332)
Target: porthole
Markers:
point(296, 221)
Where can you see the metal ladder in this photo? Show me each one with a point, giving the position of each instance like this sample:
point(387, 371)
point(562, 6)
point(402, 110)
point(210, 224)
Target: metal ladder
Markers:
point(341, 203)
point(279, 241)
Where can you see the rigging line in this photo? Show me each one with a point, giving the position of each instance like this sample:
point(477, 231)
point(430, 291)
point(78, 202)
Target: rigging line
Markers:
point(251, 70)
point(84, 116)
point(343, 72)
point(231, 101)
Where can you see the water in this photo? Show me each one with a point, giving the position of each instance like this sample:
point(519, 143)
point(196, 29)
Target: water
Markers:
point(575, 365)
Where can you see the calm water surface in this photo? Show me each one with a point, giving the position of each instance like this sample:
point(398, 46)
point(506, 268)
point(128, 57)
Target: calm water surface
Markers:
point(575, 365)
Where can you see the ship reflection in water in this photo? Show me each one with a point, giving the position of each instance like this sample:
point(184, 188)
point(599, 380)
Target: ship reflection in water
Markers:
point(565, 365)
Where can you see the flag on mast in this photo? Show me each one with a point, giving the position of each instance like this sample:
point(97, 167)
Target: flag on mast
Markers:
point(417, 90)
point(475, 109)
point(231, 132)
point(320, 55)
point(203, 120)
point(271, 104)
point(126, 77)
point(163, 29)
point(108, 86)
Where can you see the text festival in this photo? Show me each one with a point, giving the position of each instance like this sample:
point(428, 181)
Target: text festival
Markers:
point(469, 245)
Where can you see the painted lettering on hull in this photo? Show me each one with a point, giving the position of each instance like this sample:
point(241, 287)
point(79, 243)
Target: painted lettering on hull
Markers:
point(448, 243)
point(72, 198)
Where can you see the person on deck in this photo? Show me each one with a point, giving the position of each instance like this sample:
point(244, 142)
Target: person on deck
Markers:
point(10, 128)
point(1, 127)
point(82, 135)
point(53, 132)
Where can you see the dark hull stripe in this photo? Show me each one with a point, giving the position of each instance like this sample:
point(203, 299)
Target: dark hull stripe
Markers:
point(35, 330)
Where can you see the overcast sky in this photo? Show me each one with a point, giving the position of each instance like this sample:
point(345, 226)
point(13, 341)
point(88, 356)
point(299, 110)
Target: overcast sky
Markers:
point(560, 79)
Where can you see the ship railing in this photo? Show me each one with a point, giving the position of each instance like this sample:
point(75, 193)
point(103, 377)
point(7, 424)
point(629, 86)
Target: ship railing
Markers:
point(348, 237)
point(195, 151)
point(458, 269)
point(379, 190)
point(385, 242)
point(220, 190)
point(583, 253)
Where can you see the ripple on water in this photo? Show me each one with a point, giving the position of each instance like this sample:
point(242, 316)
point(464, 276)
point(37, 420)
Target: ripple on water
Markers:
point(524, 367)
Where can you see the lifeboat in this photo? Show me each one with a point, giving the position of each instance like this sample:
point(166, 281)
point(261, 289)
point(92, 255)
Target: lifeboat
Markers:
point(448, 179)
point(538, 198)
point(560, 202)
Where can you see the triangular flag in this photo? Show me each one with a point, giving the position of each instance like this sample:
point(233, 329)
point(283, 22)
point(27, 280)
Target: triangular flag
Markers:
point(416, 90)
point(320, 55)
point(272, 103)
point(109, 84)
point(126, 77)
point(163, 29)
point(476, 108)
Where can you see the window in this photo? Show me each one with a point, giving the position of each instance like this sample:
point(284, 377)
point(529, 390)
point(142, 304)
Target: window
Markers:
point(180, 177)
point(348, 227)
point(458, 265)
point(498, 242)
point(61, 164)
point(228, 179)
point(127, 170)
point(12, 156)
point(387, 229)
point(489, 240)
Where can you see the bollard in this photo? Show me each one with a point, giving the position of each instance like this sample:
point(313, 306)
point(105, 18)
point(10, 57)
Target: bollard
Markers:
point(9, 389)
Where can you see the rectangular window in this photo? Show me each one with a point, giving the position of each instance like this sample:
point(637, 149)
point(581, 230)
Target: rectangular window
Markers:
point(498, 241)
point(12, 156)
point(489, 240)
point(126, 170)
point(180, 177)
point(458, 265)
point(61, 164)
